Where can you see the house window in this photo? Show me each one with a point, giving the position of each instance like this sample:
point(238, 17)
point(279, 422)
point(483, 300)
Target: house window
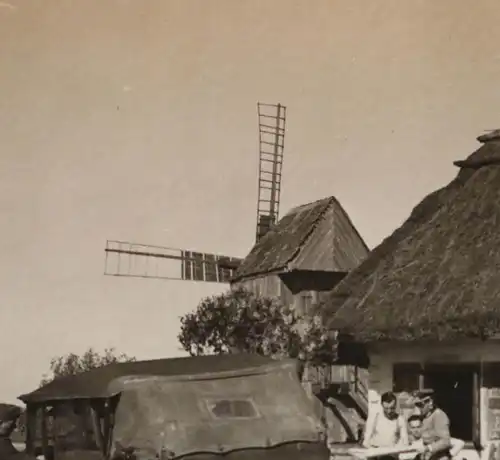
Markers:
point(491, 375)
point(406, 377)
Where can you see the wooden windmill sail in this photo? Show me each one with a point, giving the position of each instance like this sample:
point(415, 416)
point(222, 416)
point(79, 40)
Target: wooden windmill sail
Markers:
point(123, 258)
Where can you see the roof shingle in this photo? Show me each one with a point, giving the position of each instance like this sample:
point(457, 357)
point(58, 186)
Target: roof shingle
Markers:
point(321, 226)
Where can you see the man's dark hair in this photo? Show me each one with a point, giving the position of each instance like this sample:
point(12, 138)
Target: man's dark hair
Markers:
point(388, 397)
point(414, 418)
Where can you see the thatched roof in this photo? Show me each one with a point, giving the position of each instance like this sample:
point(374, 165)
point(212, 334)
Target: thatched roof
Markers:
point(94, 383)
point(437, 277)
point(315, 236)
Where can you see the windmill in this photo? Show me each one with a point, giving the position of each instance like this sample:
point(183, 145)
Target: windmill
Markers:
point(123, 258)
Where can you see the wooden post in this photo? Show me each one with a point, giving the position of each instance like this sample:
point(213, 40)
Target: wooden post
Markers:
point(44, 431)
point(31, 413)
point(86, 427)
point(96, 427)
point(106, 426)
point(109, 423)
point(421, 377)
point(476, 407)
point(356, 379)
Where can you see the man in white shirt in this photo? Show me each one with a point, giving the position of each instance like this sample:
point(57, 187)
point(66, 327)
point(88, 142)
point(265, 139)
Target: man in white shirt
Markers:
point(385, 428)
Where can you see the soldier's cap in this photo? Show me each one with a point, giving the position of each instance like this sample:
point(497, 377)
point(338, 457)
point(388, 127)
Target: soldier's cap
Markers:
point(9, 412)
point(424, 395)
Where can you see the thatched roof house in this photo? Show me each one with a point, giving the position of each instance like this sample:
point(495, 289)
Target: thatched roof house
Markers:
point(426, 302)
point(316, 236)
point(437, 277)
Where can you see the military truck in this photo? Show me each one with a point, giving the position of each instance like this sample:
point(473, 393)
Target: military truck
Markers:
point(237, 406)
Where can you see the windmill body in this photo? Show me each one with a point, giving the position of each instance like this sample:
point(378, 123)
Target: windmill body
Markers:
point(304, 256)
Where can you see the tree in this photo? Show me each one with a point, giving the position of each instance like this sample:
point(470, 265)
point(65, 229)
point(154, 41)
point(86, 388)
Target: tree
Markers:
point(72, 363)
point(240, 321)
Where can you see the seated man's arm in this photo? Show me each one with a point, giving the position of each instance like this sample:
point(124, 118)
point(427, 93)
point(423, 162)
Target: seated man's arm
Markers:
point(442, 431)
point(369, 427)
point(403, 432)
point(456, 446)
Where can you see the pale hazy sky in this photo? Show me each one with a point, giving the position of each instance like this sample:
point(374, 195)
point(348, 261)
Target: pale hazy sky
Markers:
point(136, 120)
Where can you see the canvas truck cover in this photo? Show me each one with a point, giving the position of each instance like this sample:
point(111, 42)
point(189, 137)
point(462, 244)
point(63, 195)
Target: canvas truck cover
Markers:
point(214, 413)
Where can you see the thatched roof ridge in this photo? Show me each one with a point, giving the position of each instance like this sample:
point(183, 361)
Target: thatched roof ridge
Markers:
point(436, 277)
point(489, 136)
point(285, 241)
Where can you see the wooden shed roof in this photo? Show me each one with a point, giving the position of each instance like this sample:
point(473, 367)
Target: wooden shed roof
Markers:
point(315, 236)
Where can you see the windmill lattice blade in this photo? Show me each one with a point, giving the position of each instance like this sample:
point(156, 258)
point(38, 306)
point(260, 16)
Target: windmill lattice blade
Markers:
point(135, 260)
point(271, 145)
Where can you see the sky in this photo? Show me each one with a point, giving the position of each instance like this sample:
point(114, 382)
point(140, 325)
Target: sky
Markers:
point(136, 120)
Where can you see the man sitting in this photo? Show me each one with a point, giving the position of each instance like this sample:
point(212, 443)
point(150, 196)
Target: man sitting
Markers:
point(416, 440)
point(435, 427)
